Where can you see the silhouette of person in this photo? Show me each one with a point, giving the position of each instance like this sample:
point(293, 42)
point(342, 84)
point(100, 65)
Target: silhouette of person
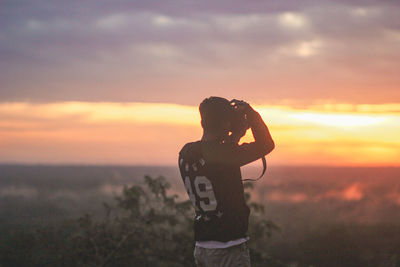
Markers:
point(210, 170)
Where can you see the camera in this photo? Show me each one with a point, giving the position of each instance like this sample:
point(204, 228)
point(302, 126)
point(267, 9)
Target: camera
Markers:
point(239, 122)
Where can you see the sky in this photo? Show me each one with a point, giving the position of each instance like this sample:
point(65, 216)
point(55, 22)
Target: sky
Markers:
point(119, 82)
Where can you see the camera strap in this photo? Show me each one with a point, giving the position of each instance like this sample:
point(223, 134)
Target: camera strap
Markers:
point(262, 174)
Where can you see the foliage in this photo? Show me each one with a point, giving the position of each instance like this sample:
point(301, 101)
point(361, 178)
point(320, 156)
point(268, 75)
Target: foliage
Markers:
point(38, 204)
point(352, 245)
point(260, 230)
point(145, 226)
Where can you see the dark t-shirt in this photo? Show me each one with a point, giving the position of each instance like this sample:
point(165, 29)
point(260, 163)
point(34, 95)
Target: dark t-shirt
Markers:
point(211, 173)
point(212, 178)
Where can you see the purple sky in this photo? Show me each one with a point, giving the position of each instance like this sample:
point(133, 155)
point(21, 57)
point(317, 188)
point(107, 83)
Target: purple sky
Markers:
point(182, 51)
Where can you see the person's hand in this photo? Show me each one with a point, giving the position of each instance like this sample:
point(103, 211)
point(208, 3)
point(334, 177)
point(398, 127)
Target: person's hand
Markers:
point(240, 104)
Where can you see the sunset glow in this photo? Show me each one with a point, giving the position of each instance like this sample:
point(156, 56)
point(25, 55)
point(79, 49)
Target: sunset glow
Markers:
point(124, 132)
point(120, 82)
point(341, 120)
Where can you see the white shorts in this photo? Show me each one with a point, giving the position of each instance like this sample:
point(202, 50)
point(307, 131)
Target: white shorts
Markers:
point(220, 257)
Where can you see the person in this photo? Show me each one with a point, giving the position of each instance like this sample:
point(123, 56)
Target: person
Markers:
point(210, 170)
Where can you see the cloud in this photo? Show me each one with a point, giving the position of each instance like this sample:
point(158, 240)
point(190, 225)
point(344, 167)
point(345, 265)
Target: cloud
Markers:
point(293, 20)
point(158, 51)
point(153, 133)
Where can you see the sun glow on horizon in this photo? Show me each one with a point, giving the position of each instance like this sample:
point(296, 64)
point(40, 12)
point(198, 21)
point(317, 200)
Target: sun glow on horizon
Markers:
point(339, 120)
point(140, 133)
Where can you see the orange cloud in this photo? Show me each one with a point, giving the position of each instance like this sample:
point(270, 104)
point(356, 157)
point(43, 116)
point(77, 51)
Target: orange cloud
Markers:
point(153, 133)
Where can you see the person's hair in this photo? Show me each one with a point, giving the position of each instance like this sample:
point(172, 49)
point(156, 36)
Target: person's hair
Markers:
point(213, 111)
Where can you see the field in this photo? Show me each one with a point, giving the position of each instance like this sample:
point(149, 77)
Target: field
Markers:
point(327, 216)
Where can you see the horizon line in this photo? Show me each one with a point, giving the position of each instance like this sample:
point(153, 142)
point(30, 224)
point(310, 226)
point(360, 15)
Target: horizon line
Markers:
point(66, 164)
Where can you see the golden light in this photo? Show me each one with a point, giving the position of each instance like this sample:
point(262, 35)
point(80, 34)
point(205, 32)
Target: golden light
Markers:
point(339, 120)
point(153, 133)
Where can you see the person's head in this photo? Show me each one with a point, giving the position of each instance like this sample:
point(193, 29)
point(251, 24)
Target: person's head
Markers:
point(215, 115)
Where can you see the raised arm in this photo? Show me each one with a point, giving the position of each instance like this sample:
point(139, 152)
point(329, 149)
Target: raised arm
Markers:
point(260, 131)
point(232, 153)
point(263, 143)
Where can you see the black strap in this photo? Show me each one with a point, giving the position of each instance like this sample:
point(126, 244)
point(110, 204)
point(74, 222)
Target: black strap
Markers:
point(262, 174)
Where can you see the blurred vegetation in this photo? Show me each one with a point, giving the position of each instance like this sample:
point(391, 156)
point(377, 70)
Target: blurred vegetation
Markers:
point(144, 226)
point(42, 221)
